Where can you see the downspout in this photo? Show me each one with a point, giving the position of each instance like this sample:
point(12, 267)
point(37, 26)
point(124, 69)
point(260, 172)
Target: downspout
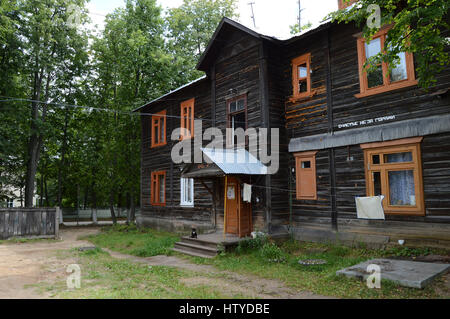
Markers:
point(225, 207)
point(331, 156)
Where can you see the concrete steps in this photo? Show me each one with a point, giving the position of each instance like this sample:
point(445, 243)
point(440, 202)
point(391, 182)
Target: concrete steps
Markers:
point(196, 247)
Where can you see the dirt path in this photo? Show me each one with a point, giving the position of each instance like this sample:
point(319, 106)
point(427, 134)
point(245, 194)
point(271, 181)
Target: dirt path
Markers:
point(31, 263)
point(230, 282)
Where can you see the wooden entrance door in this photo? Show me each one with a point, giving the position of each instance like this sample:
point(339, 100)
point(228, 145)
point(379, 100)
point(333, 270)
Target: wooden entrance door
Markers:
point(238, 214)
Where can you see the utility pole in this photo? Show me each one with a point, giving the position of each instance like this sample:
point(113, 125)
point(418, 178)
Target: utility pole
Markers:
point(253, 14)
point(300, 15)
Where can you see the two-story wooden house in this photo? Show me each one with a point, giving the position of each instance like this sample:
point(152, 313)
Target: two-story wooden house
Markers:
point(343, 133)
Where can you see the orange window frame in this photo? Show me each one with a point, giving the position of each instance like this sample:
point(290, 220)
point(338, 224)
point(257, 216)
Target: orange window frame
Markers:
point(155, 188)
point(303, 59)
point(158, 120)
point(187, 119)
point(387, 84)
point(397, 146)
point(305, 183)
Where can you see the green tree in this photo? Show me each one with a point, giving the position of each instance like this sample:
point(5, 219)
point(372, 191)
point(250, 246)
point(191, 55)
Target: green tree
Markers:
point(420, 27)
point(190, 28)
point(294, 29)
point(50, 44)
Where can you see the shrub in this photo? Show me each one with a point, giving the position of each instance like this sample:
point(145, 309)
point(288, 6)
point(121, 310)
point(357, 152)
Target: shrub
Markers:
point(272, 252)
point(252, 243)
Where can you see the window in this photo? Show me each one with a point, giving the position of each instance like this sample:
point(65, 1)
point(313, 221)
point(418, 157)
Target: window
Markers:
point(237, 115)
point(394, 169)
point(305, 172)
point(187, 192)
point(378, 80)
point(9, 203)
point(301, 76)
point(187, 119)
point(159, 129)
point(158, 188)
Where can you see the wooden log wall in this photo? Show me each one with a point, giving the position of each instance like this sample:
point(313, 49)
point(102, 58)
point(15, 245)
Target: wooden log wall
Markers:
point(309, 117)
point(28, 222)
point(159, 158)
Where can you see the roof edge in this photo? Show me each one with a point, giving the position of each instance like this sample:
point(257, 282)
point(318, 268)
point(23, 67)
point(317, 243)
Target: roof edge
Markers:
point(170, 93)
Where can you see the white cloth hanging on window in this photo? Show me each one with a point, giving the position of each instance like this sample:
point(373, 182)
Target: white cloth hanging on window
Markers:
point(370, 207)
point(247, 193)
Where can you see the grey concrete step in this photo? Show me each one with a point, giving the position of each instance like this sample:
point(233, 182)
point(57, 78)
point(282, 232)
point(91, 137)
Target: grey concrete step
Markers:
point(198, 249)
point(191, 253)
point(199, 242)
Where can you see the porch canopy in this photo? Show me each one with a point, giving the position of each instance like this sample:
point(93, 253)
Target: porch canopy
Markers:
point(225, 162)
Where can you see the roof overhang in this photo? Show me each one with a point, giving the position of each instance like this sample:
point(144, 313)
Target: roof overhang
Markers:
point(377, 133)
point(161, 98)
point(215, 44)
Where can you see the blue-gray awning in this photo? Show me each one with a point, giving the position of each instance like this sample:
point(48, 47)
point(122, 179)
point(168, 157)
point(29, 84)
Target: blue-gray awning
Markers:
point(377, 133)
point(235, 161)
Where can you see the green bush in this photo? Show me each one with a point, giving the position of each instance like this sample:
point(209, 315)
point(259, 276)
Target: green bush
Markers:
point(252, 244)
point(272, 252)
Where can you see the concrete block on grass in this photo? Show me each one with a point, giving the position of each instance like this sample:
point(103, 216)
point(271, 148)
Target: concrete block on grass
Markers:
point(406, 273)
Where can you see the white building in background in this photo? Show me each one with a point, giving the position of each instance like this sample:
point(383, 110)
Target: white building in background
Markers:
point(17, 199)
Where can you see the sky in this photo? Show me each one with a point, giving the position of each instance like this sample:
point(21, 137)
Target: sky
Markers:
point(272, 17)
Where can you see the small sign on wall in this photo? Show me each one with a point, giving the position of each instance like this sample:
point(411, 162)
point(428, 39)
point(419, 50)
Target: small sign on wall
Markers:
point(231, 194)
point(367, 122)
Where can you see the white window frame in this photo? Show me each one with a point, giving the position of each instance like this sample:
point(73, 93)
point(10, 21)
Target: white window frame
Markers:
point(183, 199)
point(10, 203)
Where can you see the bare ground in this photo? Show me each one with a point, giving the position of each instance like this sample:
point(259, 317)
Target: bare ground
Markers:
point(24, 264)
point(229, 282)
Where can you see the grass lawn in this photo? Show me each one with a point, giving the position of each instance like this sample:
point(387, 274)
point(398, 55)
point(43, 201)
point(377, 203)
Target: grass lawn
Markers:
point(322, 279)
point(267, 260)
point(105, 277)
point(138, 242)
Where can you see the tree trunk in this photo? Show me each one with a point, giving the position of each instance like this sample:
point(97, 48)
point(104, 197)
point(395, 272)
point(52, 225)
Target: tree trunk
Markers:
point(132, 208)
point(111, 206)
point(36, 139)
point(47, 202)
point(63, 154)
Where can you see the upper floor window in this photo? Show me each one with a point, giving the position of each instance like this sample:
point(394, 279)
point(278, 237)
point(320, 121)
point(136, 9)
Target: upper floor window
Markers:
point(187, 119)
point(394, 169)
point(237, 115)
point(301, 76)
point(380, 79)
point(159, 129)
point(158, 188)
point(10, 203)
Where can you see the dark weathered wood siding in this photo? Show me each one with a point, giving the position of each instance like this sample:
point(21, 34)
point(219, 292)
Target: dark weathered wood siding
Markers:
point(309, 117)
point(159, 158)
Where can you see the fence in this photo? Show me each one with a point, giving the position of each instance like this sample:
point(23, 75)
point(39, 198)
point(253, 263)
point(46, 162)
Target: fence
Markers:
point(29, 222)
point(91, 214)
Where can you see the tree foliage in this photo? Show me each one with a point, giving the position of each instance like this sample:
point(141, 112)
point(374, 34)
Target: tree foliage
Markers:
point(73, 91)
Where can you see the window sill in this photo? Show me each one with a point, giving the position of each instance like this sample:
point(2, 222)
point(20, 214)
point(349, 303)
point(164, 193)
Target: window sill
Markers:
point(305, 96)
point(157, 145)
point(159, 205)
point(383, 89)
point(187, 205)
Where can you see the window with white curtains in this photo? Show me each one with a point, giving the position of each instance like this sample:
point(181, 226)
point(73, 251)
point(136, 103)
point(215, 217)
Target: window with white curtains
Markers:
point(187, 192)
point(394, 169)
